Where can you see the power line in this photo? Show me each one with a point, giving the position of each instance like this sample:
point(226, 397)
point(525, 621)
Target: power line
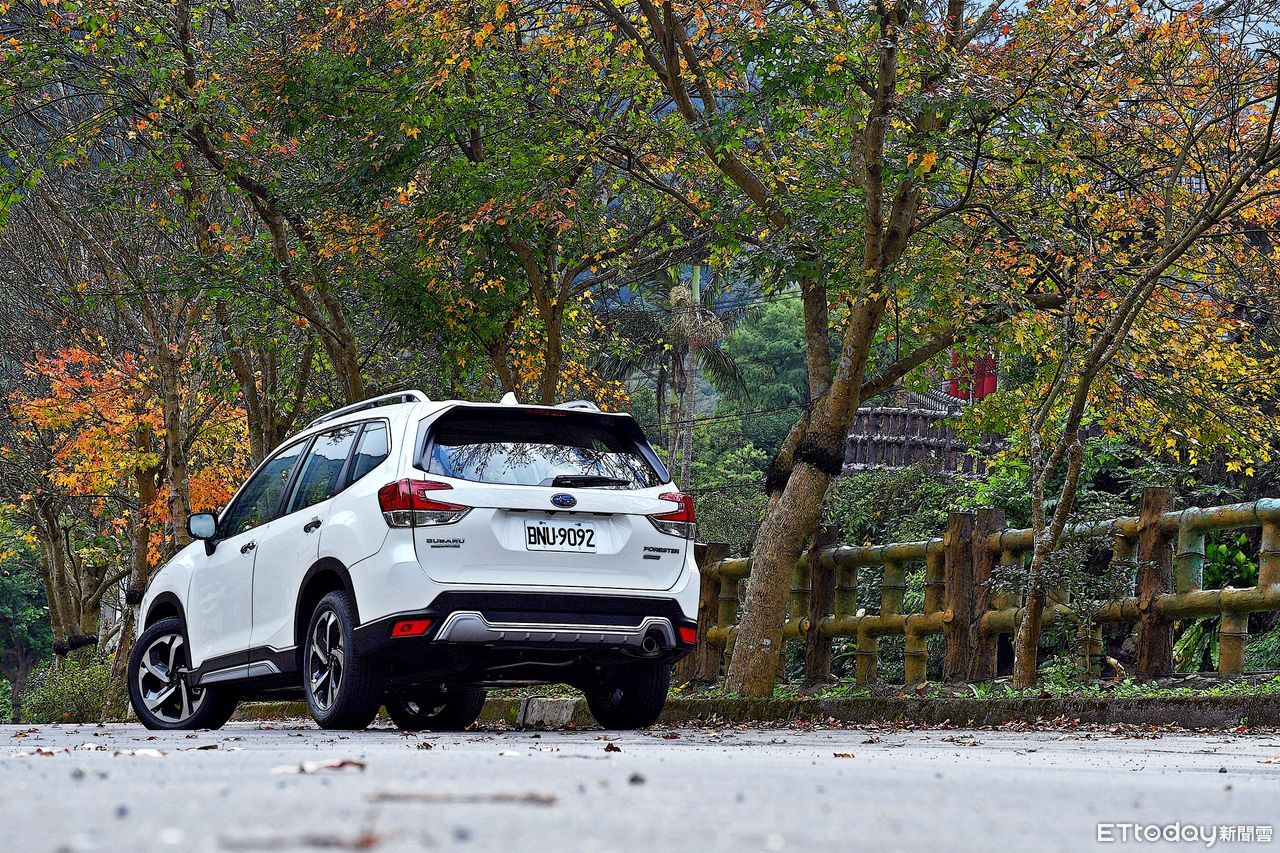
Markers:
point(697, 421)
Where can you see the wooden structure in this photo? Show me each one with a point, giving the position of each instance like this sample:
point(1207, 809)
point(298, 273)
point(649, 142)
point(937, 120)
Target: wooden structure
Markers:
point(1167, 547)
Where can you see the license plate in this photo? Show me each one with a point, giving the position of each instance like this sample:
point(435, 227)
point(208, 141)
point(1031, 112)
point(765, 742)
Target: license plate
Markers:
point(560, 536)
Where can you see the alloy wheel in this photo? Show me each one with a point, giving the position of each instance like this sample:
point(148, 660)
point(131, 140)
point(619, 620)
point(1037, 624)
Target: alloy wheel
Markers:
point(327, 659)
point(164, 680)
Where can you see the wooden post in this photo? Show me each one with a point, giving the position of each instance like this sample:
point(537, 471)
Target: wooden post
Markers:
point(822, 599)
point(1188, 567)
point(728, 616)
point(1269, 555)
point(1233, 636)
point(893, 586)
point(958, 595)
point(1155, 578)
point(982, 647)
point(1090, 640)
point(703, 664)
point(935, 581)
point(867, 662)
point(915, 658)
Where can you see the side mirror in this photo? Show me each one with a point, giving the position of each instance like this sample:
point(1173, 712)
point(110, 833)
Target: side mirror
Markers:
point(202, 525)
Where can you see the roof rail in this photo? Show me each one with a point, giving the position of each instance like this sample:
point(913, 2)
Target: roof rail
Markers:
point(373, 402)
point(579, 404)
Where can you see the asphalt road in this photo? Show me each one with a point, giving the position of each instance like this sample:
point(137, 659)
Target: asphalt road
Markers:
point(252, 788)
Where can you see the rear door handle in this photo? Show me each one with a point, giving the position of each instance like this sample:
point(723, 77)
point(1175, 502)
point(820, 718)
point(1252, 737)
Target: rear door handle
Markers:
point(247, 547)
point(312, 525)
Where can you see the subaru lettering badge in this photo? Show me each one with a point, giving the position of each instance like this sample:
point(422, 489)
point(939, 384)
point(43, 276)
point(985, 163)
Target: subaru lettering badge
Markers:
point(564, 501)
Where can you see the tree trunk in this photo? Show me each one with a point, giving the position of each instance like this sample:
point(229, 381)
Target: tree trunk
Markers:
point(684, 428)
point(779, 544)
point(549, 384)
point(790, 520)
point(175, 441)
point(1026, 646)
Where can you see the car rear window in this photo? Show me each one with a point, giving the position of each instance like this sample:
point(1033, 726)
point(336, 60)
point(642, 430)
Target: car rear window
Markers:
point(530, 448)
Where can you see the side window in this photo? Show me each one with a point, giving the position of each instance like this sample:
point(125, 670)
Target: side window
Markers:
point(372, 451)
point(258, 500)
point(322, 470)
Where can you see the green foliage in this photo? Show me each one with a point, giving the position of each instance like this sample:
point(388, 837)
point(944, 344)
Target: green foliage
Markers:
point(6, 706)
point(890, 505)
point(769, 350)
point(726, 483)
point(1196, 647)
point(25, 634)
point(74, 691)
point(1227, 561)
point(1263, 651)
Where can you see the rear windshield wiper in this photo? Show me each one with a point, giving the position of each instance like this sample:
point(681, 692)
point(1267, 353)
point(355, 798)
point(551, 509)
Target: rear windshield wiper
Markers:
point(587, 480)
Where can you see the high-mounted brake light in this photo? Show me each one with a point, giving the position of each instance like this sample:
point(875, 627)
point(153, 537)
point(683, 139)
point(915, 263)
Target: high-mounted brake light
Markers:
point(407, 503)
point(678, 522)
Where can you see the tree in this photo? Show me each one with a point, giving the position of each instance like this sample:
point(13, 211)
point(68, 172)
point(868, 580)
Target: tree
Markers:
point(489, 192)
point(25, 635)
point(677, 339)
point(879, 151)
point(1148, 187)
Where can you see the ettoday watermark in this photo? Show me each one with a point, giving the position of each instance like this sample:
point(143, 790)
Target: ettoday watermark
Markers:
point(1207, 835)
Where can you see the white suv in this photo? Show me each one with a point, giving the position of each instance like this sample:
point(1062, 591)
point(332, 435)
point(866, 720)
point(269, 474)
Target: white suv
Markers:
point(411, 553)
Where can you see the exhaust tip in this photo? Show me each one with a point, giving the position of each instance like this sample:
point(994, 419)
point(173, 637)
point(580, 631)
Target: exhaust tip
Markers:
point(650, 644)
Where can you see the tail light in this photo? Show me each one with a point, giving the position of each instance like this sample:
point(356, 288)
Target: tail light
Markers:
point(407, 503)
point(679, 522)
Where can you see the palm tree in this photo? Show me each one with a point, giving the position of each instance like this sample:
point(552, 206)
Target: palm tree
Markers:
point(677, 340)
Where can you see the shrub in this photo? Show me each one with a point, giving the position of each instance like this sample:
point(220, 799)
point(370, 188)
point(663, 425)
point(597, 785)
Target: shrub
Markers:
point(74, 691)
point(1263, 652)
point(6, 708)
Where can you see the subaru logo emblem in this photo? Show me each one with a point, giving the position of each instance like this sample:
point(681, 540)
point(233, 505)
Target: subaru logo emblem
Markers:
point(564, 501)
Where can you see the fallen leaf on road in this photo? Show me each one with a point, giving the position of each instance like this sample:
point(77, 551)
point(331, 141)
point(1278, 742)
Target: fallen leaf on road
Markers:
point(200, 747)
point(426, 744)
point(531, 798)
point(842, 754)
point(1275, 759)
point(90, 746)
point(612, 747)
point(140, 753)
point(314, 766)
point(363, 841)
point(671, 736)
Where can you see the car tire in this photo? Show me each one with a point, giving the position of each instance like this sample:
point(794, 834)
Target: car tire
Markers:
point(162, 696)
point(452, 711)
point(343, 687)
point(633, 698)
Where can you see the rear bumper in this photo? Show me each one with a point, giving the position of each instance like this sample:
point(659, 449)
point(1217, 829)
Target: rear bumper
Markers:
point(470, 626)
point(537, 620)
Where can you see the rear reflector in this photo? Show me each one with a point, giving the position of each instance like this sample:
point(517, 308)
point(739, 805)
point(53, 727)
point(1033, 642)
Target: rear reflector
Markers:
point(688, 635)
point(410, 627)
